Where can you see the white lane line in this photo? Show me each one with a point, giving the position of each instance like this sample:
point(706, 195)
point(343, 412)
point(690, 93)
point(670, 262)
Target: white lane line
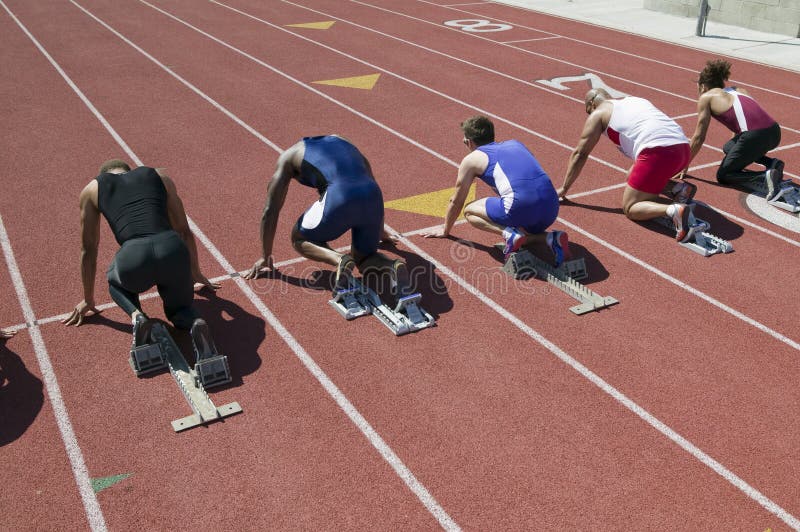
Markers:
point(341, 400)
point(78, 465)
point(617, 395)
point(636, 56)
point(94, 514)
point(664, 429)
point(578, 195)
point(529, 40)
point(411, 82)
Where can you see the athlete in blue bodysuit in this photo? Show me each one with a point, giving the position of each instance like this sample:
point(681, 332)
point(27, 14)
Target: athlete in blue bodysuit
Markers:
point(527, 204)
point(349, 199)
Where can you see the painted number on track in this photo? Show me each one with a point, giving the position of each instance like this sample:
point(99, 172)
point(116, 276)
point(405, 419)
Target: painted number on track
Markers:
point(475, 25)
point(594, 81)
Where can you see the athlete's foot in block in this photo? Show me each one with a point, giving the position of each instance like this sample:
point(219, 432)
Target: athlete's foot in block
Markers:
point(558, 241)
point(142, 327)
point(201, 340)
point(773, 178)
point(680, 214)
point(344, 272)
point(514, 240)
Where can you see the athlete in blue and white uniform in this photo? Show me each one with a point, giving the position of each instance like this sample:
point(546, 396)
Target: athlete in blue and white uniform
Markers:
point(349, 199)
point(527, 203)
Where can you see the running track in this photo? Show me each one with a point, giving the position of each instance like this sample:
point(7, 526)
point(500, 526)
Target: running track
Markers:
point(676, 409)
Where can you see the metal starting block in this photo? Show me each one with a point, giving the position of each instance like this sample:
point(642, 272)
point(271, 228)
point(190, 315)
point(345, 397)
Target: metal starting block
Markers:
point(359, 300)
point(699, 240)
point(349, 302)
point(524, 264)
point(212, 371)
point(147, 359)
point(787, 199)
point(191, 384)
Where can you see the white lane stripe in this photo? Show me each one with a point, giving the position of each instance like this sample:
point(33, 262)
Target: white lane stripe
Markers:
point(648, 59)
point(79, 470)
point(736, 481)
point(222, 278)
point(677, 282)
point(347, 407)
point(762, 229)
point(531, 40)
point(91, 506)
point(409, 81)
point(598, 381)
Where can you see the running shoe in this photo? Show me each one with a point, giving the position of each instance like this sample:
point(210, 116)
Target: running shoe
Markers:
point(400, 281)
point(513, 241)
point(559, 244)
point(681, 220)
point(344, 272)
point(774, 178)
point(142, 326)
point(201, 340)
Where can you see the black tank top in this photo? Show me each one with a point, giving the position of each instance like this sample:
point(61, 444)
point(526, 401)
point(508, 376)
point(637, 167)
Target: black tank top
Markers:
point(133, 203)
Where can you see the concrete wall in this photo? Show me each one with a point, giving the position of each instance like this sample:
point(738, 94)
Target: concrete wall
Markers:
point(771, 16)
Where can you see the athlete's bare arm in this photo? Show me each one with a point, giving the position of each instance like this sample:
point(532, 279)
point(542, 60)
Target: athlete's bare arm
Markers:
point(472, 166)
point(179, 222)
point(592, 131)
point(90, 240)
point(287, 167)
point(703, 120)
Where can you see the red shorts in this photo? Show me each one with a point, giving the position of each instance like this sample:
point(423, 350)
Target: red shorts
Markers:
point(655, 166)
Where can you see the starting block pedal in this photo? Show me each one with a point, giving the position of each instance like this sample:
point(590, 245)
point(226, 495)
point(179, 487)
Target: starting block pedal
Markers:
point(212, 371)
point(523, 264)
point(787, 198)
point(147, 359)
point(192, 384)
point(699, 239)
point(358, 300)
point(349, 302)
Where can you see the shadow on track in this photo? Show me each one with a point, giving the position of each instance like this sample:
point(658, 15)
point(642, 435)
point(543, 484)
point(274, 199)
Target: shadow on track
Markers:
point(21, 395)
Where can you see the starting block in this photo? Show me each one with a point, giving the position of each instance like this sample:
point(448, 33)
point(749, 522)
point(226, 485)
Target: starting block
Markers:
point(190, 383)
point(358, 300)
point(787, 199)
point(349, 302)
point(523, 264)
point(699, 240)
point(147, 359)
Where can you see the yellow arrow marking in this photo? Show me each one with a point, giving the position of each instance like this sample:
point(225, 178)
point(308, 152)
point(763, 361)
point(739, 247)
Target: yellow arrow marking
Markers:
point(357, 82)
point(430, 203)
point(314, 25)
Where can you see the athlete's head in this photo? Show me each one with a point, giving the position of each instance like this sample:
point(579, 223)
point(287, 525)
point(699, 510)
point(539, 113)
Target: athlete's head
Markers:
point(114, 164)
point(714, 75)
point(478, 129)
point(594, 98)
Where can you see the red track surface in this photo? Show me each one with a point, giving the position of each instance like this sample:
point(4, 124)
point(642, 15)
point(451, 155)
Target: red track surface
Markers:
point(487, 410)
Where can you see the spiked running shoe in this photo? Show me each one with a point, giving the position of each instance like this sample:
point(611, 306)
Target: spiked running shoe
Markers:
point(559, 245)
point(142, 326)
point(513, 241)
point(401, 283)
point(681, 220)
point(201, 340)
point(344, 272)
point(773, 178)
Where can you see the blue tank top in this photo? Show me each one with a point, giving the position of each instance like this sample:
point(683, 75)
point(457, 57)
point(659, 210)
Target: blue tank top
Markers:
point(514, 173)
point(330, 160)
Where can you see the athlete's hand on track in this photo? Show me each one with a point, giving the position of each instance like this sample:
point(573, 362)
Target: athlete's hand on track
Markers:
point(80, 310)
point(562, 193)
point(261, 265)
point(7, 333)
point(390, 238)
point(203, 280)
point(436, 233)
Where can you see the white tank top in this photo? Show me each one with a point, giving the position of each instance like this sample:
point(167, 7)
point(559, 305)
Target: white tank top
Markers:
point(637, 124)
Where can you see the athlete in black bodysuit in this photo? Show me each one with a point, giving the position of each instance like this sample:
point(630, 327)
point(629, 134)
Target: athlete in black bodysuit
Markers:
point(146, 215)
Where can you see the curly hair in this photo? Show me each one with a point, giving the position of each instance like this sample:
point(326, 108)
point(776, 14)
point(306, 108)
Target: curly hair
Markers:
point(715, 74)
point(478, 129)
